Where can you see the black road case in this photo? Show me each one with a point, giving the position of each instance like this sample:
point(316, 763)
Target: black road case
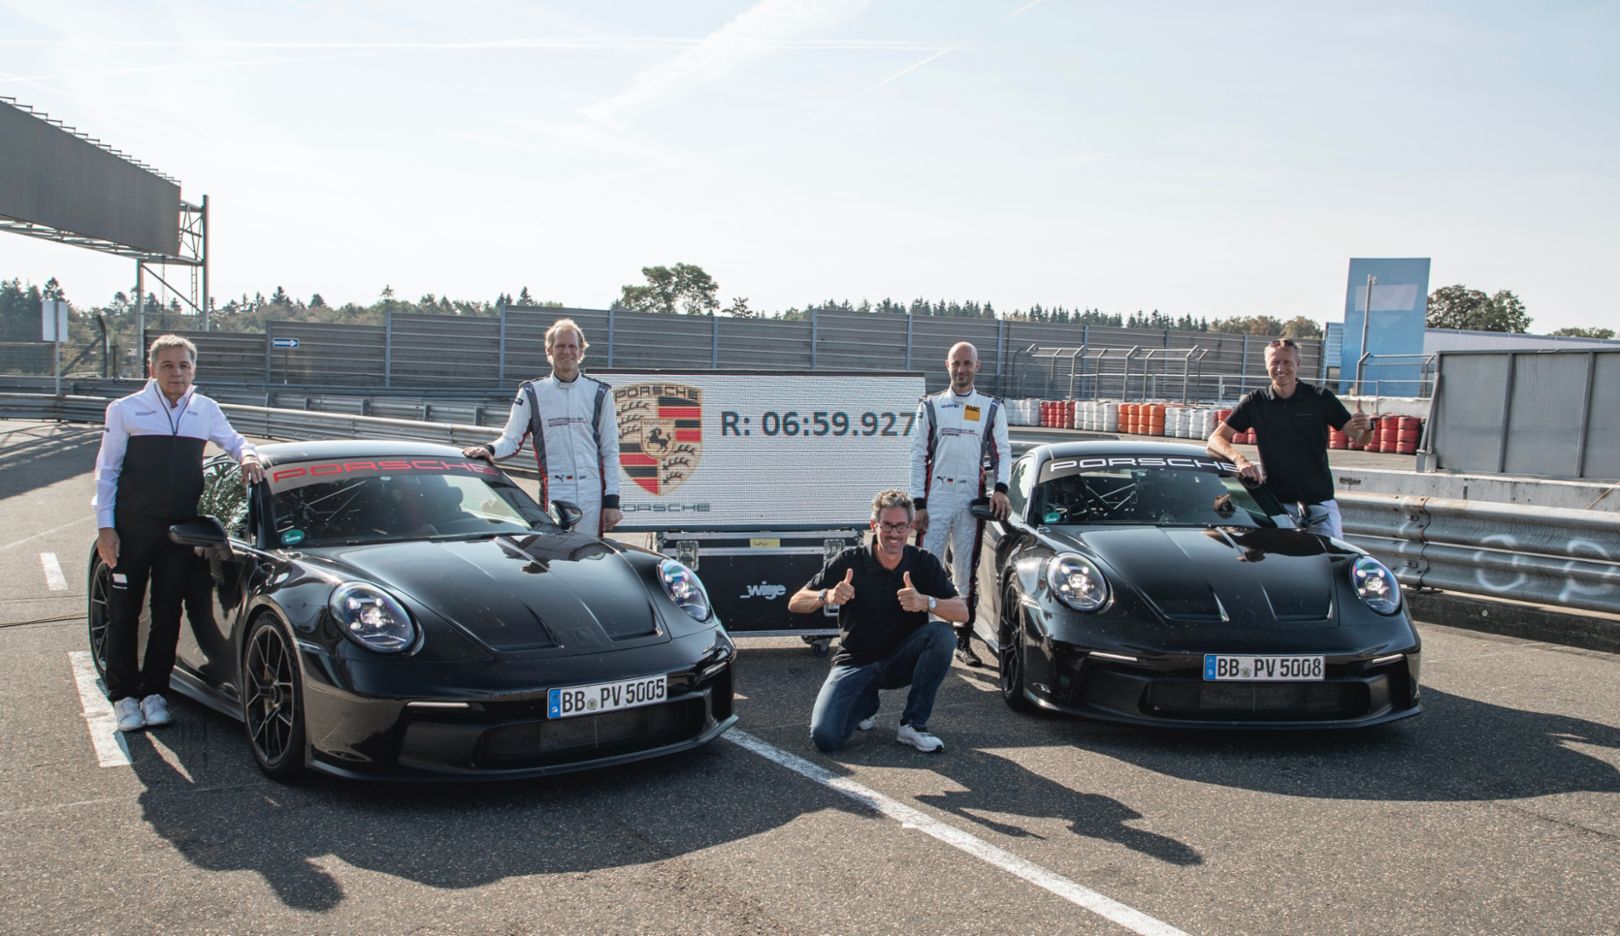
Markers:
point(751, 575)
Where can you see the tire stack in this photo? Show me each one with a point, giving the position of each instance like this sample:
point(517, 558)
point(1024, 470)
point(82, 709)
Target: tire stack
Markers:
point(1399, 434)
point(1155, 420)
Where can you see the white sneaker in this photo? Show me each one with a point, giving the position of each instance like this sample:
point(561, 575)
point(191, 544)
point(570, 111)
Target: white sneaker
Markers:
point(867, 724)
point(155, 709)
point(128, 713)
point(920, 739)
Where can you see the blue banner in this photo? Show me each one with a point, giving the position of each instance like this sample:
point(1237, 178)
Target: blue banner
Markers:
point(1393, 312)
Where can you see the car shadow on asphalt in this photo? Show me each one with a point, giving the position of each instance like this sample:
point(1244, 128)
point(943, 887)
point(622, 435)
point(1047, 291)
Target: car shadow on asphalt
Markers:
point(993, 785)
point(1458, 750)
point(205, 796)
point(1000, 785)
point(219, 813)
point(38, 455)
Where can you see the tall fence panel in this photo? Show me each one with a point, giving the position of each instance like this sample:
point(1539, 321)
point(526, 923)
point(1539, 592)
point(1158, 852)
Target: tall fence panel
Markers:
point(327, 355)
point(1537, 413)
point(493, 353)
point(438, 349)
point(235, 355)
point(26, 358)
point(860, 341)
point(764, 343)
point(648, 341)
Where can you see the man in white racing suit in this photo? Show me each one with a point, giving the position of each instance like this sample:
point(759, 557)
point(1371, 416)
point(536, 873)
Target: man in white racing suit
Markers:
point(959, 450)
point(571, 420)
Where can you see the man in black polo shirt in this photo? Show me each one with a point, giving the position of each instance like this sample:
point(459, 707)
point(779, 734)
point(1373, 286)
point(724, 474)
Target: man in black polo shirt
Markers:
point(1290, 419)
point(893, 603)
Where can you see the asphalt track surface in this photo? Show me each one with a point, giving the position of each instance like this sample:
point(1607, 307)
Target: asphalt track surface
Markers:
point(1496, 811)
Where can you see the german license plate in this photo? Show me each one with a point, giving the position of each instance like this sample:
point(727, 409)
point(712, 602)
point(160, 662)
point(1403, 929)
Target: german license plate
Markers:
point(1219, 667)
point(606, 697)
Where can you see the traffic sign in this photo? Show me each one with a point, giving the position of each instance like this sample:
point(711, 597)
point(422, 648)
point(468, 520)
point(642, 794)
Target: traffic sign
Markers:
point(284, 343)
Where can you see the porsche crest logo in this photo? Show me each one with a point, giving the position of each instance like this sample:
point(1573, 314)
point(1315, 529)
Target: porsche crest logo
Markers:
point(660, 433)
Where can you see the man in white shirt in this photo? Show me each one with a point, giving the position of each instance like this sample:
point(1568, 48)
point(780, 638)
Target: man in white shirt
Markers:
point(571, 420)
point(148, 476)
point(959, 452)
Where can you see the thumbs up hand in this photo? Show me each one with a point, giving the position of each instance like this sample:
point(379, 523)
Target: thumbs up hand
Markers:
point(910, 598)
point(844, 591)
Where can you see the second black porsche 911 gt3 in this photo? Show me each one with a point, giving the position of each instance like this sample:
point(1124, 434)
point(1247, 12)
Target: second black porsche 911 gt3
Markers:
point(1144, 583)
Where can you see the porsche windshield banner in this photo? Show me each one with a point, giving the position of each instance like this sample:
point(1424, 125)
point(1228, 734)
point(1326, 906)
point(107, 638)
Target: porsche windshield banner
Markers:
point(290, 476)
point(1059, 468)
point(735, 451)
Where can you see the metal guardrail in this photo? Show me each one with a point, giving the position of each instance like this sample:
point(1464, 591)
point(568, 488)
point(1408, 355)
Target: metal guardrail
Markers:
point(1550, 555)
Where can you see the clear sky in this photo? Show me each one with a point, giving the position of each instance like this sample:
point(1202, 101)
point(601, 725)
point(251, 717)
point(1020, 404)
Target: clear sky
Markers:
point(1212, 158)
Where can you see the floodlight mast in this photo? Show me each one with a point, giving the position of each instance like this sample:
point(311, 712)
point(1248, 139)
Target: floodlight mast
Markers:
point(193, 253)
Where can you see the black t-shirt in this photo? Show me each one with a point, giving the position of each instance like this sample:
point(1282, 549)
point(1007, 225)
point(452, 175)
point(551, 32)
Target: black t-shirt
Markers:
point(872, 625)
point(1293, 436)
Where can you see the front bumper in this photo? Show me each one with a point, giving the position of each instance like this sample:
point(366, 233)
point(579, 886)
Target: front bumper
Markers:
point(1171, 691)
point(506, 735)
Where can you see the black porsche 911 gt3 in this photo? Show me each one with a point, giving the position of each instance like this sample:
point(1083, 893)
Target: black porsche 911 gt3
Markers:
point(1145, 583)
point(394, 609)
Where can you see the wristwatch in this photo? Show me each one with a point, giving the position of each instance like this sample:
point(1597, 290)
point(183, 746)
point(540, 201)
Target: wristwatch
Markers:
point(826, 597)
point(932, 602)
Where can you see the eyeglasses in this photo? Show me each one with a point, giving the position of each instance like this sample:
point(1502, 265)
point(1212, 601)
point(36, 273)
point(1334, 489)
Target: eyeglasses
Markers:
point(895, 527)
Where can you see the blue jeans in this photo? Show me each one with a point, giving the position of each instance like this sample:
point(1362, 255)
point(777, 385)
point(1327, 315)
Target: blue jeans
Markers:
point(1321, 518)
point(850, 694)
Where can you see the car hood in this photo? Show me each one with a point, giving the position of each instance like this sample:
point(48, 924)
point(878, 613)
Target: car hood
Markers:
point(1209, 575)
point(566, 593)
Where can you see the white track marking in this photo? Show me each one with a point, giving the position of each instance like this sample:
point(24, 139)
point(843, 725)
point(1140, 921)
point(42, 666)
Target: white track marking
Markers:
point(54, 578)
point(111, 749)
point(48, 532)
point(1105, 907)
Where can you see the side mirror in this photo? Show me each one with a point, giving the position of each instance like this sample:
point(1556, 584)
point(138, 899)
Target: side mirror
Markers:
point(566, 513)
point(206, 532)
point(980, 508)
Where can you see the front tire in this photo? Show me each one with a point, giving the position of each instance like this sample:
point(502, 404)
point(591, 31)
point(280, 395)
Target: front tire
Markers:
point(1012, 654)
point(98, 612)
point(273, 701)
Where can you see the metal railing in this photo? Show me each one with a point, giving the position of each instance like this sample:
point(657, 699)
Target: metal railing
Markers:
point(1372, 375)
point(1550, 555)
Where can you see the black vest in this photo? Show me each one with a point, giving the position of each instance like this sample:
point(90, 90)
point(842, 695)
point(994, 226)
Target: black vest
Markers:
point(160, 482)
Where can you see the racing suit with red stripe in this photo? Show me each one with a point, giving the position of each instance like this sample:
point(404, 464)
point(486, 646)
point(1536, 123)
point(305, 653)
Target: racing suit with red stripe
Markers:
point(960, 449)
point(576, 442)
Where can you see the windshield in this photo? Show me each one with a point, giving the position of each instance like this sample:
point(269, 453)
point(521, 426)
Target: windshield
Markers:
point(1149, 491)
point(379, 500)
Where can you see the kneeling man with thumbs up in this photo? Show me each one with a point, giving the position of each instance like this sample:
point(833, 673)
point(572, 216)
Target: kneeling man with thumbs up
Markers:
point(893, 603)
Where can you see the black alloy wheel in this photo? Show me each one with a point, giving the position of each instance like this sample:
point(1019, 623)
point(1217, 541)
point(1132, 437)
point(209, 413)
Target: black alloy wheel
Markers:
point(98, 613)
point(273, 701)
point(1011, 655)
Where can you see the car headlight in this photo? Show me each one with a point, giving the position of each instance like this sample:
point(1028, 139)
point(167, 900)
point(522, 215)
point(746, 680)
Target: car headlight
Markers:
point(1077, 582)
point(1375, 585)
point(372, 618)
point(685, 589)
